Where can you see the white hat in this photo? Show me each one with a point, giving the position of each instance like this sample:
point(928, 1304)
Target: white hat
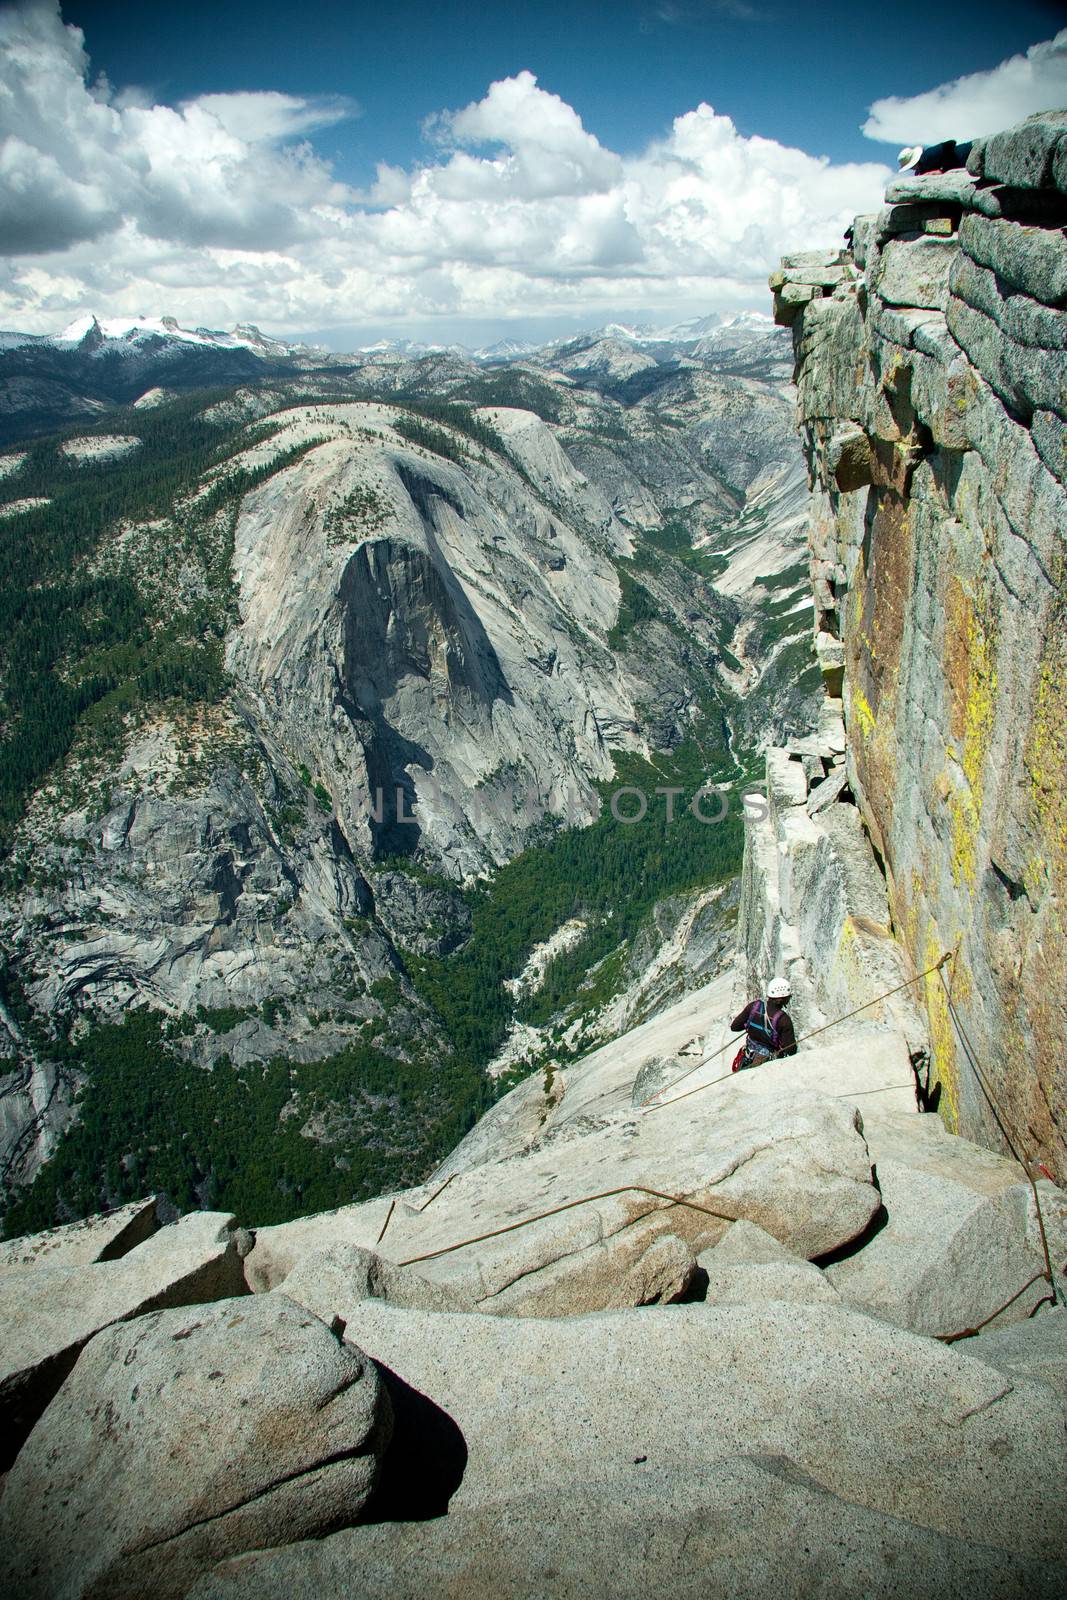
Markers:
point(779, 989)
point(909, 156)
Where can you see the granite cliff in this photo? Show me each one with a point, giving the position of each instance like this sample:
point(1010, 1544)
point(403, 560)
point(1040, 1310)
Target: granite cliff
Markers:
point(410, 636)
point(931, 363)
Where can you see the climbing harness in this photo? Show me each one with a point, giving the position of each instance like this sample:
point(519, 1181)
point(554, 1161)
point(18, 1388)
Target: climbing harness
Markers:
point(761, 1038)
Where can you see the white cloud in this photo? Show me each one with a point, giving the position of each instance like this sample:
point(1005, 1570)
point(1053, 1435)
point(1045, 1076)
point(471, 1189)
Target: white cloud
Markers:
point(215, 211)
point(981, 103)
point(78, 161)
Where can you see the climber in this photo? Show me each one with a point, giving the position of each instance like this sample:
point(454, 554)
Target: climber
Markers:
point(943, 157)
point(767, 1026)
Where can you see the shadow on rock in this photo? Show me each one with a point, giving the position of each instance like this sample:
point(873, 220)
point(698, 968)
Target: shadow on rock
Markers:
point(425, 1462)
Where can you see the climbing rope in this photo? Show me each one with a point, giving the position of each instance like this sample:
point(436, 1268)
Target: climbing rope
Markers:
point(972, 1059)
point(669, 1200)
point(570, 1205)
point(656, 1104)
point(415, 1210)
point(969, 1333)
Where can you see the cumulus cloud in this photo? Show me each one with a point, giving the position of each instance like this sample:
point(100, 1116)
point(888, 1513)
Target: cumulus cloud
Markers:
point(218, 210)
point(77, 161)
point(981, 103)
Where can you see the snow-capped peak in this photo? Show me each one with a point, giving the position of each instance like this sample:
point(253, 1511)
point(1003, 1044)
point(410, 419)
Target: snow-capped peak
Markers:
point(131, 332)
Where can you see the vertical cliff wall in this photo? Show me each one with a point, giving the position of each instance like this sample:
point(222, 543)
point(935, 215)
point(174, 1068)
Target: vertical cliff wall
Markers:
point(931, 368)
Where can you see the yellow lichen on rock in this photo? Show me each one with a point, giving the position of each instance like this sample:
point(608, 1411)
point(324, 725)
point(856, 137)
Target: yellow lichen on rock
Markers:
point(860, 706)
point(1046, 756)
point(942, 1032)
point(963, 820)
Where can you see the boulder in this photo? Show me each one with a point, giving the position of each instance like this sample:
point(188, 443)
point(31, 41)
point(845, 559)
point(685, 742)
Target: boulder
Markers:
point(958, 1240)
point(1036, 1348)
point(186, 1436)
point(747, 1527)
point(104, 1237)
point(1028, 155)
point(745, 1244)
point(47, 1315)
point(744, 1283)
point(523, 1237)
point(862, 1066)
point(874, 1414)
point(953, 188)
point(340, 1275)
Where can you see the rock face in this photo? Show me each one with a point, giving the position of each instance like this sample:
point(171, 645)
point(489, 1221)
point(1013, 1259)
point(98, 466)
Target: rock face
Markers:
point(623, 1409)
point(799, 1167)
point(814, 905)
point(191, 1435)
point(1035, 1349)
point(745, 1526)
point(344, 1274)
point(789, 1431)
point(930, 373)
point(960, 1237)
point(50, 1313)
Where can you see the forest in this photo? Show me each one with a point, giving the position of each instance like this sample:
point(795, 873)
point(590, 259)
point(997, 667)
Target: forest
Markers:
point(151, 1120)
point(77, 643)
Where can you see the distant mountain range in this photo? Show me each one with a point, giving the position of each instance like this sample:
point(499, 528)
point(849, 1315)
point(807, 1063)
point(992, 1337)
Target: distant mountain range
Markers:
point(92, 335)
point(71, 378)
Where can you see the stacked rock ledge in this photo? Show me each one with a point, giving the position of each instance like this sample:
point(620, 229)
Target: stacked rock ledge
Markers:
point(931, 370)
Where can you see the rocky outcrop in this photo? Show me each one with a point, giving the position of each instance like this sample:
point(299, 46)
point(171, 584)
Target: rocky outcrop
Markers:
point(1035, 1349)
point(814, 905)
point(700, 1428)
point(341, 1274)
point(960, 1238)
point(192, 1435)
point(100, 1238)
point(799, 1168)
point(745, 1526)
point(930, 372)
point(828, 1445)
point(49, 1314)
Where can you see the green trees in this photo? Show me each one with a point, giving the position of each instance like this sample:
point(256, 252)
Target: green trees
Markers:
point(150, 1120)
point(611, 874)
point(80, 642)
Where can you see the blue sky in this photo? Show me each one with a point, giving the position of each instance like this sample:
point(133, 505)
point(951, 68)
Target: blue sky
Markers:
point(345, 171)
point(798, 74)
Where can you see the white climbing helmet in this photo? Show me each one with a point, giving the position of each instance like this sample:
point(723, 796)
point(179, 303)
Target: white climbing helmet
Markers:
point(779, 989)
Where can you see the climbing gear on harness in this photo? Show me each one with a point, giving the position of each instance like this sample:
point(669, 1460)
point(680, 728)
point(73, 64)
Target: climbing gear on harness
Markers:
point(761, 1035)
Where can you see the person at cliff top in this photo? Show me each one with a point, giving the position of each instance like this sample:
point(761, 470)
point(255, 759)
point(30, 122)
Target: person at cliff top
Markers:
point(943, 157)
point(767, 1026)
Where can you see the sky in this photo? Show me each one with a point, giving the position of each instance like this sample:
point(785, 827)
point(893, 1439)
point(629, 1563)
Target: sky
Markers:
point(341, 172)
